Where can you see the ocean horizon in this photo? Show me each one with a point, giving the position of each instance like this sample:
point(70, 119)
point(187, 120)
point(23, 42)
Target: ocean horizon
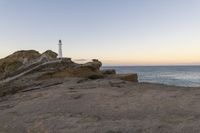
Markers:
point(177, 75)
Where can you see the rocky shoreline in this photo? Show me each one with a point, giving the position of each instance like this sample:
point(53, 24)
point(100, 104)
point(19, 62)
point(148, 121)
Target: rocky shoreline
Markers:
point(60, 96)
point(25, 69)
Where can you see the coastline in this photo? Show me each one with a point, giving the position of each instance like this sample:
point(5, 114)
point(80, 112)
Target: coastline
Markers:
point(186, 76)
point(42, 93)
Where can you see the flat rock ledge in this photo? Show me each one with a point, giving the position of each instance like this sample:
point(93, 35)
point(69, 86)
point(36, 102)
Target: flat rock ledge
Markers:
point(126, 77)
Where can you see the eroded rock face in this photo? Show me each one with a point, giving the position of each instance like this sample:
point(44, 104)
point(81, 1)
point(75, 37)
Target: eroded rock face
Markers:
point(12, 62)
point(28, 68)
point(94, 65)
point(50, 71)
point(89, 70)
point(50, 54)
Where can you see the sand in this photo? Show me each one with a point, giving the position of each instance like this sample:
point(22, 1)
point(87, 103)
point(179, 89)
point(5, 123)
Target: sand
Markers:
point(101, 106)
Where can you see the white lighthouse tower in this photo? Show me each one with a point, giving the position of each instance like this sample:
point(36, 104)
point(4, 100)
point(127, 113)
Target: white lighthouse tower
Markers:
point(60, 49)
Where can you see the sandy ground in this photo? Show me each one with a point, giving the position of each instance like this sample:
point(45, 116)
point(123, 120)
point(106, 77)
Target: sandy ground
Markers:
point(102, 106)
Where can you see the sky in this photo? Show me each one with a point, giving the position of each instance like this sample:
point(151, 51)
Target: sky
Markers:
point(117, 32)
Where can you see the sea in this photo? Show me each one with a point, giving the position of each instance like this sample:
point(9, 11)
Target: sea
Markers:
point(187, 76)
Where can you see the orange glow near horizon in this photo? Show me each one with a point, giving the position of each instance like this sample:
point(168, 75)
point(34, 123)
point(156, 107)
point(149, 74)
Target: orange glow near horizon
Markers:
point(176, 56)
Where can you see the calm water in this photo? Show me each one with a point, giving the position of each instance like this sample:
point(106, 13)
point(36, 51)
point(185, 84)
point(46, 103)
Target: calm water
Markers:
point(188, 76)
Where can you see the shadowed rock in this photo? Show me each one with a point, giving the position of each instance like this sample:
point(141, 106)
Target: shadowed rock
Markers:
point(126, 77)
point(89, 70)
point(108, 71)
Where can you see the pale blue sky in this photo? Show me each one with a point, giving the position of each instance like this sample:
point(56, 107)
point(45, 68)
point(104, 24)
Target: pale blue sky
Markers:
point(118, 32)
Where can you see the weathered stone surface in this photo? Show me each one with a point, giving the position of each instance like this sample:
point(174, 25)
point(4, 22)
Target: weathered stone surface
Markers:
point(126, 77)
point(89, 70)
point(76, 105)
point(50, 54)
point(21, 61)
point(14, 61)
point(109, 105)
point(108, 71)
point(77, 71)
point(31, 67)
point(94, 65)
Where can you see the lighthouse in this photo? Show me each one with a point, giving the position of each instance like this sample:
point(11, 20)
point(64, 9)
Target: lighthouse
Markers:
point(60, 49)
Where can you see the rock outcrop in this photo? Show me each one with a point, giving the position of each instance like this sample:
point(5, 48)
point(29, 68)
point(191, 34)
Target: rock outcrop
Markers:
point(21, 59)
point(25, 69)
point(108, 71)
point(94, 65)
point(89, 70)
point(49, 55)
point(14, 61)
point(126, 77)
point(58, 96)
